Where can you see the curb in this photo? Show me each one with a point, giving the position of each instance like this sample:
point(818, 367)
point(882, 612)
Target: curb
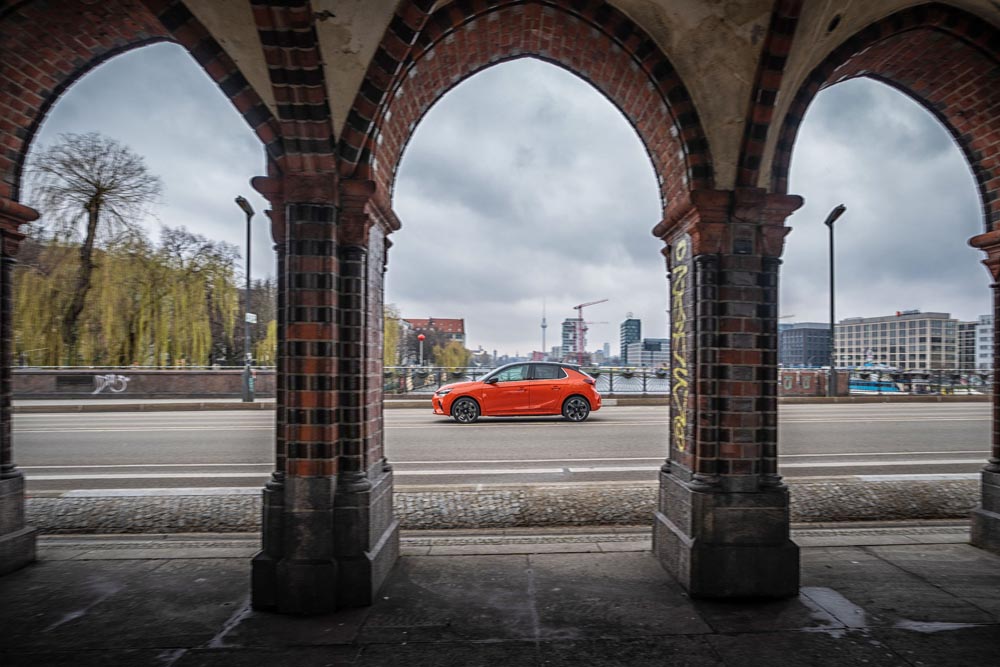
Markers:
point(226, 510)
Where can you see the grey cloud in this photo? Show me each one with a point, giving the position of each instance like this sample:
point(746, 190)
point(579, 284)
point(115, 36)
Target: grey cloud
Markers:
point(912, 205)
point(524, 184)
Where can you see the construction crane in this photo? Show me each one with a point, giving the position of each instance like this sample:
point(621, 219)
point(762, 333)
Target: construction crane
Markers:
point(581, 329)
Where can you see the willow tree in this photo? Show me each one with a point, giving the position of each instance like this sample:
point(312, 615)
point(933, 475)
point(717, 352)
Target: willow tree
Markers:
point(452, 356)
point(89, 188)
point(390, 335)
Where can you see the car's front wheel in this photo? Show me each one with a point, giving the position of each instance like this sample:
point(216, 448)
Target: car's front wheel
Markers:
point(465, 410)
point(576, 408)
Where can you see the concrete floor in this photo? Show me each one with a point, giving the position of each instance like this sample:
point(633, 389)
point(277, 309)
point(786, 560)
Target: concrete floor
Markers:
point(872, 595)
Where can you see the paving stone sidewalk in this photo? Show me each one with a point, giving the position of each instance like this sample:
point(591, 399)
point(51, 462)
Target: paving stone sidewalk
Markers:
point(872, 594)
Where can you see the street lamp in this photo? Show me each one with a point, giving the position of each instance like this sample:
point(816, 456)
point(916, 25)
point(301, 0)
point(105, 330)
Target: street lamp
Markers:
point(421, 338)
point(831, 385)
point(247, 315)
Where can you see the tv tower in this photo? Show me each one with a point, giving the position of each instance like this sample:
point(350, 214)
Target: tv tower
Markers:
point(545, 326)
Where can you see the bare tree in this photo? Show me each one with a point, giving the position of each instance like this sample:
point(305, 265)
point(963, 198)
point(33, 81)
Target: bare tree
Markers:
point(92, 182)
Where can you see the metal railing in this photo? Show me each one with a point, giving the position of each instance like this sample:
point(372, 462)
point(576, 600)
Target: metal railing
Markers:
point(427, 380)
point(941, 382)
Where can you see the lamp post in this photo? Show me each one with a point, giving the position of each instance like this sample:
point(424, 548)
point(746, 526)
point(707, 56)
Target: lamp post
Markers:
point(831, 386)
point(247, 374)
point(421, 338)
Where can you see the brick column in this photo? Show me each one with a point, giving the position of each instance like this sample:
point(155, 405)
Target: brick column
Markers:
point(985, 532)
point(329, 538)
point(17, 541)
point(721, 525)
point(367, 533)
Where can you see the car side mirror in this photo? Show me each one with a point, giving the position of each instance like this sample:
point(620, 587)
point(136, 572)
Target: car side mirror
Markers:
point(492, 380)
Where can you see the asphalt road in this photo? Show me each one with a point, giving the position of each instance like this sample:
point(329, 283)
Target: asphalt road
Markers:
point(223, 449)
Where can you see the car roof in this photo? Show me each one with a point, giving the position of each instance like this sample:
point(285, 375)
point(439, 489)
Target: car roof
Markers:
point(546, 363)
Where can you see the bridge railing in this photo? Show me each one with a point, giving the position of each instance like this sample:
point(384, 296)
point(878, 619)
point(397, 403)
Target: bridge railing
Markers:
point(941, 382)
point(427, 380)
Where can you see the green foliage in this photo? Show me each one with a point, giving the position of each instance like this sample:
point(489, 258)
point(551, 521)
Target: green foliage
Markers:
point(148, 305)
point(89, 187)
point(452, 356)
point(390, 335)
point(266, 350)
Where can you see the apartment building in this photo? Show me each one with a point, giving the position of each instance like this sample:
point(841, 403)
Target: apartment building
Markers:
point(907, 340)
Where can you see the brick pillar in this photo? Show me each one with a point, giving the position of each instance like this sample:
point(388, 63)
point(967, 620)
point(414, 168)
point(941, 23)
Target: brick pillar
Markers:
point(17, 541)
point(721, 525)
point(367, 533)
point(264, 571)
point(985, 532)
point(329, 537)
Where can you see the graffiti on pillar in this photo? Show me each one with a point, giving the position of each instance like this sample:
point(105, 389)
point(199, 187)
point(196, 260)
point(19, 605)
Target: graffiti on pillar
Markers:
point(680, 328)
point(113, 382)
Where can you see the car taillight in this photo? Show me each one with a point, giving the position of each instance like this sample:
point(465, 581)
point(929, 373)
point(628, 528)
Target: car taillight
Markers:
point(590, 380)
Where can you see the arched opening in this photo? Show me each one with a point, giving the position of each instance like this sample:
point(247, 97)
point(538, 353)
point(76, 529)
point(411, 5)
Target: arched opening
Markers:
point(524, 190)
point(906, 285)
point(616, 57)
point(944, 60)
point(133, 67)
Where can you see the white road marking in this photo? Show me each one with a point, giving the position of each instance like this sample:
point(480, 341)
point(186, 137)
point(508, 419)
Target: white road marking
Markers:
point(868, 464)
point(487, 471)
point(158, 429)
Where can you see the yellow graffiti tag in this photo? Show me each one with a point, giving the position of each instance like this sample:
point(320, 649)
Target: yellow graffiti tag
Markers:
point(680, 388)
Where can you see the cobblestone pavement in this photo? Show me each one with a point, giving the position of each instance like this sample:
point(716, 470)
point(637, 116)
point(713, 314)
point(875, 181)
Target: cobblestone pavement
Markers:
point(606, 503)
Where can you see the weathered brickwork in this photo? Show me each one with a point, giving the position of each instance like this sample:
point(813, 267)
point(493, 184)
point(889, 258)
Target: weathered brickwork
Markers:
point(944, 58)
point(735, 241)
point(48, 45)
point(767, 86)
point(591, 39)
point(295, 68)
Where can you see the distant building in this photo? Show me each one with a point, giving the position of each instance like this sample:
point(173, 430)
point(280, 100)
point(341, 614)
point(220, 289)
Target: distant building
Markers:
point(570, 350)
point(907, 340)
point(804, 344)
point(965, 344)
point(649, 353)
point(630, 332)
point(453, 329)
point(984, 343)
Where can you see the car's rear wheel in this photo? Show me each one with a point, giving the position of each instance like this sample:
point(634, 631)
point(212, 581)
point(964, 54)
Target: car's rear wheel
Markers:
point(576, 408)
point(465, 410)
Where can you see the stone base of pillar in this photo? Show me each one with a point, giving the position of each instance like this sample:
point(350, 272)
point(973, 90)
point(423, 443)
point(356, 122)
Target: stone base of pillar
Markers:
point(726, 545)
point(366, 537)
point(17, 541)
point(353, 542)
point(985, 532)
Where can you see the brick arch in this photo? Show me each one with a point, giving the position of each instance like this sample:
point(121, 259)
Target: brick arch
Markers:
point(430, 54)
point(945, 59)
point(50, 45)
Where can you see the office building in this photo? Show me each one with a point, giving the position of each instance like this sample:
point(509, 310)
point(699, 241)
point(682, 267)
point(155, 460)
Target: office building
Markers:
point(649, 353)
point(965, 344)
point(804, 344)
point(630, 332)
point(908, 340)
point(984, 343)
point(570, 350)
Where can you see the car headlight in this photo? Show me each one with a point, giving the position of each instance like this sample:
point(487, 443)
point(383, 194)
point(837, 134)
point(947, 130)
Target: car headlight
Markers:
point(442, 392)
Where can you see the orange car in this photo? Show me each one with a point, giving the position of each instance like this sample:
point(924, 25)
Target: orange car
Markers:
point(537, 388)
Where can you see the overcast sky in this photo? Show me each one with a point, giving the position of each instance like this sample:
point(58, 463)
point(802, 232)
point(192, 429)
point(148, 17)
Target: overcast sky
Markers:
point(525, 186)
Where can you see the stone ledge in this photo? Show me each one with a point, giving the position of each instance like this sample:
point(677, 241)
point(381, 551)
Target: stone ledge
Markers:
point(506, 506)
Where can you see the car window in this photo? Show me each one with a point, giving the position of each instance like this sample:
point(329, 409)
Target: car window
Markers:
point(546, 372)
point(513, 374)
